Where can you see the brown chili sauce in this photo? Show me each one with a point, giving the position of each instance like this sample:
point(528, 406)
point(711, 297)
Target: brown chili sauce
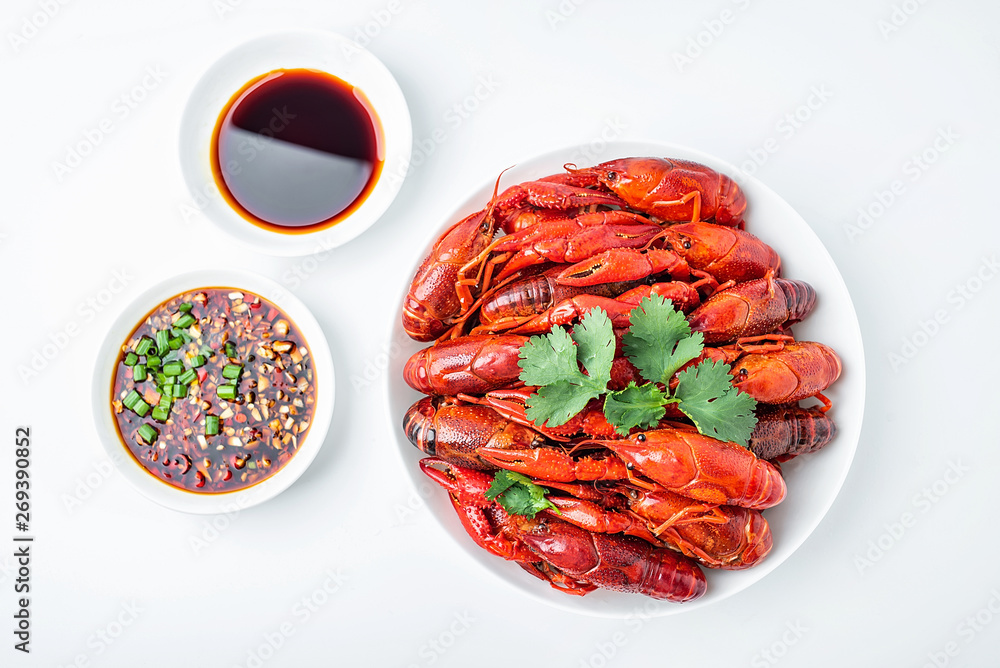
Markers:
point(297, 150)
point(240, 367)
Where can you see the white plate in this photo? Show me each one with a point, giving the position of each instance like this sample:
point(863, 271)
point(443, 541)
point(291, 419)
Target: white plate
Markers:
point(325, 51)
point(813, 480)
point(110, 352)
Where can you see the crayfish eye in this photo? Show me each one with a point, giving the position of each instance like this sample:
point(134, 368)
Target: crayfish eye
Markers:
point(612, 177)
point(743, 373)
point(641, 438)
point(687, 244)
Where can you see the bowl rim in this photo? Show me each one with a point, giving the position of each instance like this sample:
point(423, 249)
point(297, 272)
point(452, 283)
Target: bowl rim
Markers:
point(851, 387)
point(321, 50)
point(105, 363)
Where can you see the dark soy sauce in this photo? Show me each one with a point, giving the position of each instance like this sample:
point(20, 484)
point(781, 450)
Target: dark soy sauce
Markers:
point(297, 150)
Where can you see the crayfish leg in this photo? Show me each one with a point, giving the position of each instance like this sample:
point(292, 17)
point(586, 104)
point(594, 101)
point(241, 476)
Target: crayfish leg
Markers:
point(748, 344)
point(694, 195)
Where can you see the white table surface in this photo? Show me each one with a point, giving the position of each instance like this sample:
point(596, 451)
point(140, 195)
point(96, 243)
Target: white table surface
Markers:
point(338, 567)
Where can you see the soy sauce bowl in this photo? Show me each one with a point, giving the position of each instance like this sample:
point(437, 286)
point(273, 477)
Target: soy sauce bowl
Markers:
point(322, 52)
point(109, 357)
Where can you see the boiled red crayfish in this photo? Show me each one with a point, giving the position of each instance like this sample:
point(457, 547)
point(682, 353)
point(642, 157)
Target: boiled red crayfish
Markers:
point(726, 537)
point(669, 189)
point(544, 253)
point(681, 461)
point(570, 558)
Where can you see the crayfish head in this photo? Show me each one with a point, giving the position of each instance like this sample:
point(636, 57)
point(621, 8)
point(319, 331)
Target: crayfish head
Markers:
point(418, 425)
point(632, 179)
point(415, 372)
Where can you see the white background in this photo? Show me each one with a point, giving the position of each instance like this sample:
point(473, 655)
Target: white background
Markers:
point(109, 562)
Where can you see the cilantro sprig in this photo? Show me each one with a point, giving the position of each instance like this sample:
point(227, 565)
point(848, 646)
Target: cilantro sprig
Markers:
point(552, 362)
point(518, 495)
point(659, 342)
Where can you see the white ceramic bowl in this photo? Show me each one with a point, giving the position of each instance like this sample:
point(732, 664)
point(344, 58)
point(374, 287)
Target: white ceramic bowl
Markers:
point(110, 352)
point(813, 480)
point(324, 51)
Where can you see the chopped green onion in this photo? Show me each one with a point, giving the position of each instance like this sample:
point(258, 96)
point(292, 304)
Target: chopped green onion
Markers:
point(230, 349)
point(161, 414)
point(162, 342)
point(173, 368)
point(131, 399)
point(232, 371)
point(165, 401)
point(161, 378)
point(197, 361)
point(206, 350)
point(175, 343)
point(227, 392)
point(184, 321)
point(179, 391)
point(185, 307)
point(153, 360)
point(144, 346)
point(187, 377)
point(140, 408)
point(139, 373)
point(148, 433)
point(211, 425)
point(131, 359)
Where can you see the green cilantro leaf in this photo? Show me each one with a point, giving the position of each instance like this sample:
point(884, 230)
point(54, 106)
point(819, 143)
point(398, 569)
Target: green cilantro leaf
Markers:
point(555, 404)
point(502, 480)
point(659, 340)
point(518, 495)
point(551, 363)
point(635, 406)
point(595, 342)
point(718, 409)
point(549, 359)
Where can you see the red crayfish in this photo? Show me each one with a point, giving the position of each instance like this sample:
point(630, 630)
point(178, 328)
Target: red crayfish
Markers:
point(640, 512)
